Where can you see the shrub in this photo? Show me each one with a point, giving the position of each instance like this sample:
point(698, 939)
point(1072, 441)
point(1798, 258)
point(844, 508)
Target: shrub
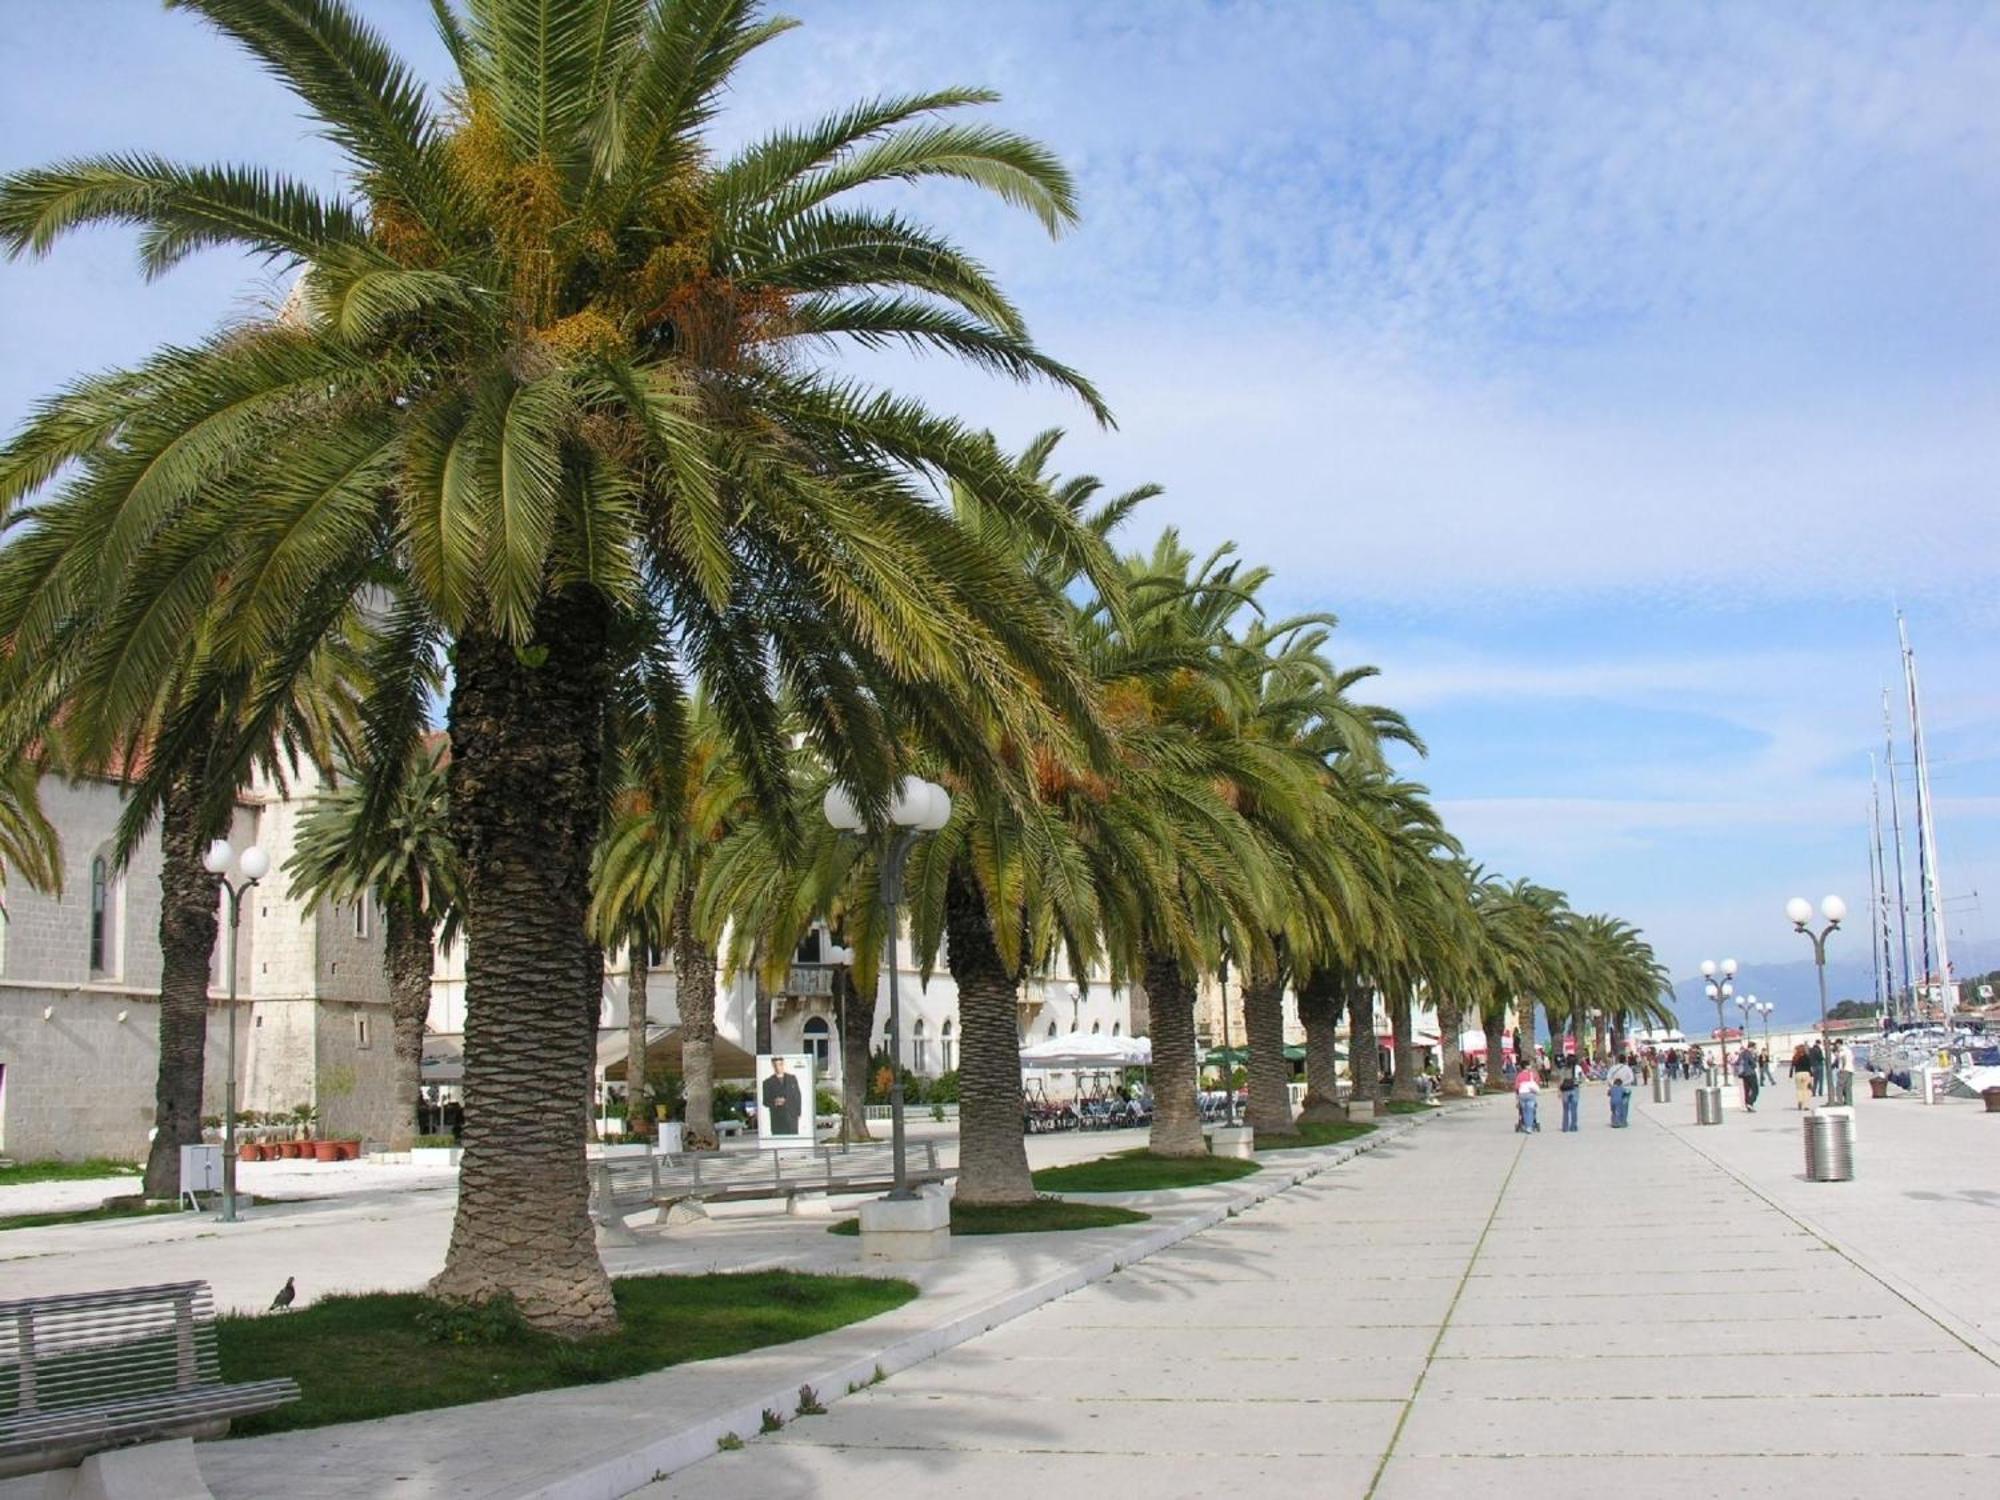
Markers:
point(497, 1320)
point(826, 1102)
point(436, 1140)
point(943, 1089)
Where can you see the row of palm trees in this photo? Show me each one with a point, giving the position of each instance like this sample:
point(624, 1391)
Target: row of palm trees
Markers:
point(549, 429)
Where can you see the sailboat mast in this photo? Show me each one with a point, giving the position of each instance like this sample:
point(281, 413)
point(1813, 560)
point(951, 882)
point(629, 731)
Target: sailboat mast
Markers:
point(1878, 899)
point(1926, 830)
point(1907, 1004)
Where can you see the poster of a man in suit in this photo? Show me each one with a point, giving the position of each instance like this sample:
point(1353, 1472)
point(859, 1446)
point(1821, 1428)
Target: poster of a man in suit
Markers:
point(784, 1099)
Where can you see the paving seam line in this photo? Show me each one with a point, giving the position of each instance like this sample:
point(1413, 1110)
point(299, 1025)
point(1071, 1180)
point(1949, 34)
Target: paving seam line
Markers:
point(618, 1477)
point(1956, 1327)
point(1444, 1324)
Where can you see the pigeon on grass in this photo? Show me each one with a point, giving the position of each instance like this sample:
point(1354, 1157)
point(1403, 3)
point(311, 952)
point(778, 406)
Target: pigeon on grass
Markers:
point(285, 1296)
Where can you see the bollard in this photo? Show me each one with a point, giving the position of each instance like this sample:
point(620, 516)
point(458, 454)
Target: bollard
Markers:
point(1663, 1087)
point(1708, 1106)
point(1830, 1145)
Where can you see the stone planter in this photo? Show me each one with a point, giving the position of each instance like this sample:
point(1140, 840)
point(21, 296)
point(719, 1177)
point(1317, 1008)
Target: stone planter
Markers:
point(1878, 1086)
point(434, 1156)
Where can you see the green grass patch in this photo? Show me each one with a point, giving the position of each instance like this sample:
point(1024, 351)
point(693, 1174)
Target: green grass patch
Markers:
point(1408, 1107)
point(357, 1358)
point(64, 1171)
point(1315, 1133)
point(1139, 1172)
point(1043, 1216)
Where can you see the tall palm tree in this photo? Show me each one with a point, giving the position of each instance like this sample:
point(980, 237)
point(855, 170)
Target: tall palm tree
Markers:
point(681, 794)
point(29, 846)
point(404, 859)
point(553, 357)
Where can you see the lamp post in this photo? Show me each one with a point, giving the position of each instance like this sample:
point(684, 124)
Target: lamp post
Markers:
point(251, 866)
point(1800, 912)
point(1720, 983)
point(918, 807)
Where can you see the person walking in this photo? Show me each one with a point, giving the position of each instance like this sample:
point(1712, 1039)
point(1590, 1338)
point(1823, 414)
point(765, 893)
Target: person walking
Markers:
point(1764, 1073)
point(1527, 1100)
point(1816, 1063)
point(1621, 1078)
point(1747, 1071)
point(1802, 1075)
point(1571, 1088)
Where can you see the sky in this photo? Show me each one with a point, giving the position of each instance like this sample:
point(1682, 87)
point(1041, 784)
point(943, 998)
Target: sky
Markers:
point(1613, 371)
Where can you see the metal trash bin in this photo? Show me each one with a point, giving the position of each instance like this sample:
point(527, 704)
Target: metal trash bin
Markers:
point(1663, 1087)
point(1830, 1145)
point(1708, 1106)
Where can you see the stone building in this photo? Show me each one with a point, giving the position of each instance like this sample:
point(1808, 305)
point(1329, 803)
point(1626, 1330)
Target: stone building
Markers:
point(79, 991)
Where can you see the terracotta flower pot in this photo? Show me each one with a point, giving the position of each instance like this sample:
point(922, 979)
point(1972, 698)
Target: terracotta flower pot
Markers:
point(289, 1150)
point(327, 1150)
point(1992, 1098)
point(1878, 1087)
point(250, 1151)
point(350, 1151)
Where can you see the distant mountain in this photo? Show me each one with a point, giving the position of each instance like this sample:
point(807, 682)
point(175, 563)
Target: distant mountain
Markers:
point(1794, 988)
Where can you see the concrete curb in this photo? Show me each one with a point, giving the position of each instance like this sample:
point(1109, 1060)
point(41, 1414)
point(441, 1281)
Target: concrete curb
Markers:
point(669, 1454)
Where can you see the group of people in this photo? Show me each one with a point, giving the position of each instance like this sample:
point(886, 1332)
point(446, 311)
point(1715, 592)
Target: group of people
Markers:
point(1622, 1077)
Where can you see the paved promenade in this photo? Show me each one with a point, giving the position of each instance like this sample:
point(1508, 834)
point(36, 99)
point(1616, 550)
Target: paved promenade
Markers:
point(1660, 1311)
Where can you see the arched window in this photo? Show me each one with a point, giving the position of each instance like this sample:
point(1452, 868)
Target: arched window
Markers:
point(100, 900)
point(917, 1058)
point(1052, 1028)
point(944, 1048)
point(1117, 1028)
point(819, 1042)
point(1096, 1027)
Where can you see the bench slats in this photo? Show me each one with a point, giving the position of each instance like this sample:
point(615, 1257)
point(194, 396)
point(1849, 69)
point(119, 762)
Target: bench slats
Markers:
point(85, 1371)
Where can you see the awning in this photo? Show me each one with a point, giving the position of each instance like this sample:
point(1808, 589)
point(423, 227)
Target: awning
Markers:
point(1094, 1051)
point(1236, 1057)
point(663, 1053)
point(444, 1060)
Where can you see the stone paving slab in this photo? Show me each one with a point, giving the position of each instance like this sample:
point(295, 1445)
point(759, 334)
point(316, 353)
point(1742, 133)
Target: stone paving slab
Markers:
point(1535, 1314)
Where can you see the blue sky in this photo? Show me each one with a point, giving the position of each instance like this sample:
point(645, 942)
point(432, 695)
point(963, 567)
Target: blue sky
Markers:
point(1610, 369)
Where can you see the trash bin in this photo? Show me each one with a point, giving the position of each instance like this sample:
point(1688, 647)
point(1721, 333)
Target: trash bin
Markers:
point(1830, 1145)
point(1663, 1087)
point(670, 1137)
point(1708, 1106)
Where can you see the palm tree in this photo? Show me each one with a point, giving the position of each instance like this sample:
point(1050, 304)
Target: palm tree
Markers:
point(554, 358)
point(680, 796)
point(404, 859)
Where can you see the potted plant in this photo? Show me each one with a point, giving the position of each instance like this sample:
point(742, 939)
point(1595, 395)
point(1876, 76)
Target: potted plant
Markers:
point(250, 1151)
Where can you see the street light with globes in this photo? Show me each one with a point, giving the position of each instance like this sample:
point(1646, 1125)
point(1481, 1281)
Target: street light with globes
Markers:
point(1720, 985)
point(1799, 912)
point(918, 807)
point(250, 866)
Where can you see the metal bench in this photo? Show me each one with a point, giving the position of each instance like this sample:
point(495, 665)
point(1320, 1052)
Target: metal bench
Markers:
point(90, 1371)
point(624, 1186)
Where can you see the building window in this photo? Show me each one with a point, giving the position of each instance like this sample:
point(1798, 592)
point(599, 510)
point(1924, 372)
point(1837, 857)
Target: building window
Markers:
point(99, 916)
point(1117, 1027)
point(1052, 1028)
point(361, 914)
point(1096, 1027)
point(944, 1048)
point(361, 1032)
point(917, 1057)
point(819, 1042)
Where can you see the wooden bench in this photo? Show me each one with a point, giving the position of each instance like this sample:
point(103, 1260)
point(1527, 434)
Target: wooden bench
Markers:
point(624, 1186)
point(90, 1371)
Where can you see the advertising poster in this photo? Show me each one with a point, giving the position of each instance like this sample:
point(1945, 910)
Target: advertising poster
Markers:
point(784, 1099)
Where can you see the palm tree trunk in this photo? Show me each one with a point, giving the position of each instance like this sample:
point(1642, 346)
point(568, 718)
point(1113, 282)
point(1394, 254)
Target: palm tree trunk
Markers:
point(763, 1003)
point(638, 1097)
point(1319, 1012)
point(527, 745)
point(992, 1155)
point(694, 999)
point(1176, 1111)
point(857, 1029)
point(1402, 1023)
point(1495, 1019)
point(1451, 1063)
point(407, 954)
point(1270, 1111)
point(1362, 1065)
point(188, 924)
